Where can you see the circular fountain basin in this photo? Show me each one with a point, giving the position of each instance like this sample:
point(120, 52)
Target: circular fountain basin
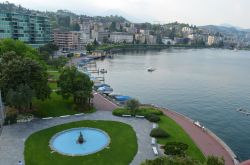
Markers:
point(66, 142)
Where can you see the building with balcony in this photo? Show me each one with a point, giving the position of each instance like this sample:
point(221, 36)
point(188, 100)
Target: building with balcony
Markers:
point(32, 29)
point(69, 40)
point(119, 37)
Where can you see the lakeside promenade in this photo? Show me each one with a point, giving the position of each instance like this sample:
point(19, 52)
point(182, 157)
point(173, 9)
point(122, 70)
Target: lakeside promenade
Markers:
point(207, 142)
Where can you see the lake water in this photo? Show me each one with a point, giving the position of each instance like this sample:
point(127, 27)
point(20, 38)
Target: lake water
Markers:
point(204, 84)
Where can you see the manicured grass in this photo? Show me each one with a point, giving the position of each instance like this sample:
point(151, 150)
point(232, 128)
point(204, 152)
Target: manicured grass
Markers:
point(121, 150)
point(53, 85)
point(177, 134)
point(54, 74)
point(55, 106)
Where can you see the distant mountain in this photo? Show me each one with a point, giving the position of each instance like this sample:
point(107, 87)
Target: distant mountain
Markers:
point(223, 30)
point(231, 26)
point(121, 13)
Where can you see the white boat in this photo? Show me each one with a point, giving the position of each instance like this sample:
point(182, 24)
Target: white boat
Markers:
point(151, 69)
point(103, 71)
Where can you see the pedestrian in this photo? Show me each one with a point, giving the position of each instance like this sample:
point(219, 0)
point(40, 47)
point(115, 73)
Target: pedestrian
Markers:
point(20, 162)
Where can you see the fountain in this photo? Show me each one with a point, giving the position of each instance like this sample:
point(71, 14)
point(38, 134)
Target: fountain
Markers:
point(80, 139)
point(72, 142)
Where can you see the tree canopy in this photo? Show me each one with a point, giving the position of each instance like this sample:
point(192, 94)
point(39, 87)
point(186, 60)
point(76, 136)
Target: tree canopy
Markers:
point(21, 49)
point(73, 83)
point(22, 74)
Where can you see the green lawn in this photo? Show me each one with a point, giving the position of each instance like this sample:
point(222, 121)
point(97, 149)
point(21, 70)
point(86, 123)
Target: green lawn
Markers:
point(54, 74)
point(179, 135)
point(53, 85)
point(55, 106)
point(121, 151)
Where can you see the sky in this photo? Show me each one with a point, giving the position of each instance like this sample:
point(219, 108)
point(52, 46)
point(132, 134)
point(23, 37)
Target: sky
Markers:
point(196, 12)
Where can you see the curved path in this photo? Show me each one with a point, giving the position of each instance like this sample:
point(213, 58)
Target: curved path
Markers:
point(13, 136)
point(207, 144)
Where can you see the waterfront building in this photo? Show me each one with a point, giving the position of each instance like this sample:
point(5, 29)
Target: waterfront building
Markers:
point(33, 29)
point(167, 41)
point(69, 40)
point(119, 37)
point(102, 36)
point(150, 39)
point(213, 40)
point(187, 30)
point(86, 38)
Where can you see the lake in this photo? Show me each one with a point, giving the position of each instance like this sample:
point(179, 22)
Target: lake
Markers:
point(204, 84)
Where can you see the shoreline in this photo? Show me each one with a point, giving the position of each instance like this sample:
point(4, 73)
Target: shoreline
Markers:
point(212, 145)
point(219, 147)
point(208, 131)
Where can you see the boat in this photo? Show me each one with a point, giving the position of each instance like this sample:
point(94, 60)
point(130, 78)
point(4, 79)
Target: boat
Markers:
point(103, 71)
point(122, 98)
point(243, 111)
point(151, 69)
point(105, 90)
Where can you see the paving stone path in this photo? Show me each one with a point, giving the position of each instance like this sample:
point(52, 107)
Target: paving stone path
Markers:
point(13, 136)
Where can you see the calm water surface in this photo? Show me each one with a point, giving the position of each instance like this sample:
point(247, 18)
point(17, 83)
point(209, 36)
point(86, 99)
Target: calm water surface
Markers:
point(206, 85)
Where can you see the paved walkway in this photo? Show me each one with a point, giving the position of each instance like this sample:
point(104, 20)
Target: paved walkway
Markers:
point(208, 144)
point(102, 103)
point(13, 136)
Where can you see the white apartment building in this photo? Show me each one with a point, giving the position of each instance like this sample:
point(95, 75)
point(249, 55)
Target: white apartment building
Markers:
point(118, 37)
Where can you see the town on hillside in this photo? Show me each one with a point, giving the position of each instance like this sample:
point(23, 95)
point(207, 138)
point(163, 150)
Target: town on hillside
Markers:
point(73, 32)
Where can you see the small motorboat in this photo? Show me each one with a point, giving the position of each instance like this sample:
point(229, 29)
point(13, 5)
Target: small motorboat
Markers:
point(103, 71)
point(151, 69)
point(105, 89)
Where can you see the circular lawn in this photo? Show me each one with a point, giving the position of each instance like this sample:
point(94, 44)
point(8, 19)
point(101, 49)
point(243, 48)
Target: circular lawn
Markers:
point(120, 151)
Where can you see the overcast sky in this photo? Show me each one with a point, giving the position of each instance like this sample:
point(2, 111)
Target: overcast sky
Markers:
point(198, 12)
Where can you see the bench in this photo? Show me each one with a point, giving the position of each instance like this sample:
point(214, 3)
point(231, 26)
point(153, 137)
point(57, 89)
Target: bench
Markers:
point(155, 125)
point(47, 118)
point(155, 151)
point(64, 116)
point(137, 116)
point(126, 115)
point(153, 141)
point(79, 114)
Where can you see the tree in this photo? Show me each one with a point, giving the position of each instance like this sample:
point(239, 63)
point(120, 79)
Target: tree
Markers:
point(95, 43)
point(172, 161)
point(213, 160)
point(175, 148)
point(58, 62)
point(133, 105)
point(90, 48)
point(105, 39)
point(73, 83)
point(21, 98)
point(21, 49)
point(16, 70)
point(75, 27)
point(112, 27)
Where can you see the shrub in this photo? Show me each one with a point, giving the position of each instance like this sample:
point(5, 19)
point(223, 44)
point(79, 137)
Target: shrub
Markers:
point(175, 148)
point(153, 118)
point(172, 160)
point(121, 111)
point(144, 111)
point(159, 133)
point(133, 105)
point(213, 160)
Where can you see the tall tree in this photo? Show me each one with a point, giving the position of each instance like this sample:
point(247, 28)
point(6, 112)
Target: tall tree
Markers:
point(16, 70)
point(73, 83)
